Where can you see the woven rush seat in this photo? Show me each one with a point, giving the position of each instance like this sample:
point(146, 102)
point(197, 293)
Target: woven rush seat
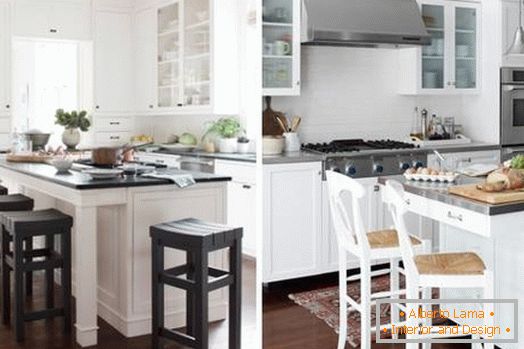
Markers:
point(387, 238)
point(35, 220)
point(460, 263)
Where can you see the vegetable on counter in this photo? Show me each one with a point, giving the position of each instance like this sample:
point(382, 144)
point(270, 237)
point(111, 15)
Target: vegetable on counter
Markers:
point(517, 162)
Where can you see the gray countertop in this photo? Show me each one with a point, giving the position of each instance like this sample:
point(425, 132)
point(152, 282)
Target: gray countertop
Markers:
point(439, 192)
point(77, 180)
point(307, 156)
point(248, 157)
point(293, 157)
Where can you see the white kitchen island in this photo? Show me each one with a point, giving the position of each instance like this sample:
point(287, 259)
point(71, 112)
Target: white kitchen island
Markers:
point(495, 232)
point(111, 244)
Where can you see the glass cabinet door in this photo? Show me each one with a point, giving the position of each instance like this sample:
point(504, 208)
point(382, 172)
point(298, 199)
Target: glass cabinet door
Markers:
point(465, 47)
point(197, 54)
point(433, 56)
point(277, 17)
point(168, 51)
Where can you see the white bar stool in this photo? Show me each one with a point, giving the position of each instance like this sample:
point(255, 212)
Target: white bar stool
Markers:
point(368, 247)
point(435, 270)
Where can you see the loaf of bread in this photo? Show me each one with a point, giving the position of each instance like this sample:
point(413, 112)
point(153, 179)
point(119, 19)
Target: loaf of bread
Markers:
point(504, 179)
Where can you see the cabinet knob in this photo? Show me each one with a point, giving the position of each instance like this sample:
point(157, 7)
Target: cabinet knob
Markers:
point(151, 106)
point(179, 105)
point(97, 107)
point(298, 83)
point(53, 30)
point(7, 106)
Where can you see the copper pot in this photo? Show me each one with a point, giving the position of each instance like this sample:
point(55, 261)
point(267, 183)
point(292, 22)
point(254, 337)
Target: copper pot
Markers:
point(113, 156)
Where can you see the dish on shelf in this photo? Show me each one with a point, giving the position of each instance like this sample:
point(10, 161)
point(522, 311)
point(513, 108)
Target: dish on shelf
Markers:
point(103, 173)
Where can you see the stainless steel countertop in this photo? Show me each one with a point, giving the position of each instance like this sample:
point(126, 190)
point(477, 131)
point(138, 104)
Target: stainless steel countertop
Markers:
point(306, 156)
point(439, 192)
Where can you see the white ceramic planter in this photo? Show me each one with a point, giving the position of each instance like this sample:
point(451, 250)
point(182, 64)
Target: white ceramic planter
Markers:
point(227, 145)
point(71, 137)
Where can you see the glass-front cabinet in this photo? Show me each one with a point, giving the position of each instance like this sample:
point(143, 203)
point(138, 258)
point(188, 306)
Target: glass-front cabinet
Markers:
point(184, 54)
point(450, 65)
point(189, 73)
point(281, 47)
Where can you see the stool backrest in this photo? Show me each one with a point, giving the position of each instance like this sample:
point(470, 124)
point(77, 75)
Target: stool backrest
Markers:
point(393, 197)
point(347, 222)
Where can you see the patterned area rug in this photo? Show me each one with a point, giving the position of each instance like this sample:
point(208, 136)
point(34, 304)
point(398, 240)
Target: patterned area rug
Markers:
point(323, 303)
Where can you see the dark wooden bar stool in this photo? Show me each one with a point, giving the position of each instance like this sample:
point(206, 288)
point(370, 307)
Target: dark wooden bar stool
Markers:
point(20, 226)
point(3, 190)
point(18, 202)
point(197, 238)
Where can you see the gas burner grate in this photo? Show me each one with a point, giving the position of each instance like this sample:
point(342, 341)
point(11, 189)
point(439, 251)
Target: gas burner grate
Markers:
point(355, 145)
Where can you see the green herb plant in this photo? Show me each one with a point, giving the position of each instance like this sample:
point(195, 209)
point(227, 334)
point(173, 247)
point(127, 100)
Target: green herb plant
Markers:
point(73, 119)
point(518, 162)
point(224, 127)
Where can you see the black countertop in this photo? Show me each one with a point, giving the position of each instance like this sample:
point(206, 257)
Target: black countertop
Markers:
point(77, 180)
point(439, 192)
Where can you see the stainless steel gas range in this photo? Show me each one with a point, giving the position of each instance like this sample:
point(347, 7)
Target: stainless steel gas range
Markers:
point(358, 158)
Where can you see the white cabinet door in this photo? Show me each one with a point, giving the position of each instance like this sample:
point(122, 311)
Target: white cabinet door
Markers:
point(113, 63)
point(4, 59)
point(53, 19)
point(292, 220)
point(281, 50)
point(241, 212)
point(145, 60)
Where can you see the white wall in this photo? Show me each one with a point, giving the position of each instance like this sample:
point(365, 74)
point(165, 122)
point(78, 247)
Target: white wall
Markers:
point(352, 93)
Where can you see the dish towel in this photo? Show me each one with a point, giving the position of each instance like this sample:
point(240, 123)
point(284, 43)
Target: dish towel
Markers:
point(182, 180)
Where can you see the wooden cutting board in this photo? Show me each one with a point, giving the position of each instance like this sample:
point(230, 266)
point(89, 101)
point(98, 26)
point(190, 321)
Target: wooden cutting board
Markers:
point(28, 158)
point(471, 192)
point(269, 124)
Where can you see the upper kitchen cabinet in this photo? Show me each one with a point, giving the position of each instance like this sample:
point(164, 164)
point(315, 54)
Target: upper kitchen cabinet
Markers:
point(187, 58)
point(281, 47)
point(450, 65)
point(5, 85)
point(113, 83)
point(53, 19)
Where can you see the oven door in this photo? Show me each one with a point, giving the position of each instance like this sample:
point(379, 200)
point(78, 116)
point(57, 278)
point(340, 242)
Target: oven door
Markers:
point(512, 115)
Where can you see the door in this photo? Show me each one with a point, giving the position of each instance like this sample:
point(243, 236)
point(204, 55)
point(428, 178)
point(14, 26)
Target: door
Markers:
point(4, 59)
point(281, 47)
point(241, 212)
point(292, 221)
point(145, 55)
point(466, 30)
point(113, 66)
point(434, 68)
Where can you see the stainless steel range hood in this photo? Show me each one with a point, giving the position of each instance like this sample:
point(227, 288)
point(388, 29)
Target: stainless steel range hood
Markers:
point(368, 23)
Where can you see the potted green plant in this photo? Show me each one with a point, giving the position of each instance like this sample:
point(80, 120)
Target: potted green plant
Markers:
point(74, 122)
point(227, 130)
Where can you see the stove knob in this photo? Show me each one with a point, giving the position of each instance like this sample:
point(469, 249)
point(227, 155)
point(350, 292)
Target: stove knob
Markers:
point(404, 165)
point(378, 168)
point(351, 170)
point(417, 164)
point(334, 169)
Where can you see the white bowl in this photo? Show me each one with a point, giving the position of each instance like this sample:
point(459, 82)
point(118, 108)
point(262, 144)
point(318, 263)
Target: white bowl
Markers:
point(62, 165)
point(272, 145)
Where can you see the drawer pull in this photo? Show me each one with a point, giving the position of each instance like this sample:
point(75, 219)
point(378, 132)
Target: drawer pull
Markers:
point(114, 137)
point(457, 217)
point(245, 186)
point(114, 123)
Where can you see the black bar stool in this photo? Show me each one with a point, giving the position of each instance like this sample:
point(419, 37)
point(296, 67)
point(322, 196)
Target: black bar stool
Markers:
point(20, 226)
point(19, 202)
point(3, 190)
point(197, 238)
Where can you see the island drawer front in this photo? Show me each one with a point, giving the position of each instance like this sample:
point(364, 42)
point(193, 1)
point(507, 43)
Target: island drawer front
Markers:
point(472, 221)
point(243, 172)
point(113, 124)
point(112, 138)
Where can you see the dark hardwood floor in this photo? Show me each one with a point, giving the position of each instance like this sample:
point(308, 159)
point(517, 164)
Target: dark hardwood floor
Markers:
point(48, 334)
point(289, 326)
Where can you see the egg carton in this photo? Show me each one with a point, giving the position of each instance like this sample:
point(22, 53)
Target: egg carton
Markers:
point(431, 178)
